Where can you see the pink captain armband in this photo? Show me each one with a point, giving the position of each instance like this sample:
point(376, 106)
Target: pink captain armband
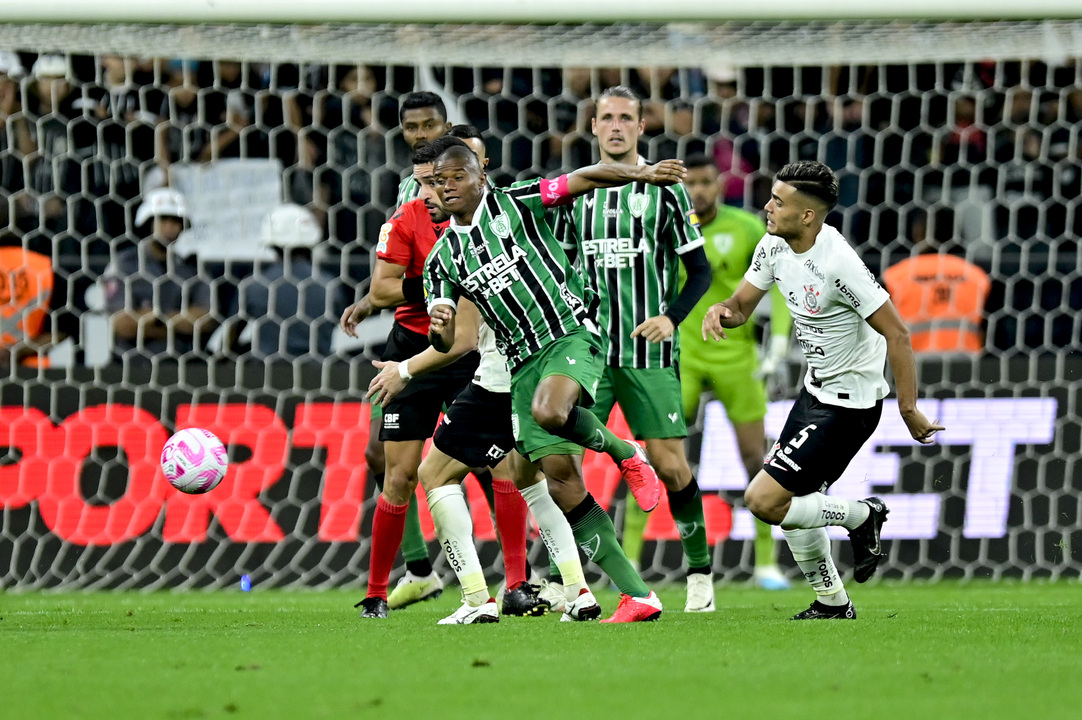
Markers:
point(554, 192)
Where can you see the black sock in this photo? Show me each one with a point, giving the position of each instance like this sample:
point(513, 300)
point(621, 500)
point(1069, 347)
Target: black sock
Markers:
point(420, 568)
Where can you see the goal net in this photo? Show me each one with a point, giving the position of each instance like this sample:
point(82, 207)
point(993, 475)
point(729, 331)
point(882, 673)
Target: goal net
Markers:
point(959, 136)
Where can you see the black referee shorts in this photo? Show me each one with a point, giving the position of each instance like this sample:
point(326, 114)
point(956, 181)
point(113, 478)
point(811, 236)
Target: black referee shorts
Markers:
point(476, 429)
point(412, 415)
point(818, 442)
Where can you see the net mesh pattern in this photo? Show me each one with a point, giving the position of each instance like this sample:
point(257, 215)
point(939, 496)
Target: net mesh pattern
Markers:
point(958, 135)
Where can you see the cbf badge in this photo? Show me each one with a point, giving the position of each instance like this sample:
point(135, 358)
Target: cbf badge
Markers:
point(500, 225)
point(637, 203)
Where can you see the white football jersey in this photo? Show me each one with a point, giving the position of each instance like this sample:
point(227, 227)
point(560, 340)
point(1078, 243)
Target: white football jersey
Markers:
point(492, 372)
point(830, 293)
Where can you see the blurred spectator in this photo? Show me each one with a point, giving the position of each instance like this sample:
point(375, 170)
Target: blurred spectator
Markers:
point(16, 143)
point(289, 308)
point(941, 299)
point(1025, 183)
point(128, 106)
point(342, 149)
point(228, 109)
point(66, 136)
point(33, 317)
point(570, 140)
point(184, 137)
point(726, 114)
point(160, 305)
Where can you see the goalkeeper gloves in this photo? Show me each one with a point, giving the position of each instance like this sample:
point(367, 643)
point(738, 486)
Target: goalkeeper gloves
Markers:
point(777, 351)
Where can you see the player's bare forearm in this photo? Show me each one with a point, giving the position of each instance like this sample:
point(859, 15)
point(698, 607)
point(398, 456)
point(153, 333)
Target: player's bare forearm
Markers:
point(355, 314)
point(903, 366)
point(386, 288)
point(733, 312)
point(386, 293)
point(736, 316)
point(430, 359)
point(887, 322)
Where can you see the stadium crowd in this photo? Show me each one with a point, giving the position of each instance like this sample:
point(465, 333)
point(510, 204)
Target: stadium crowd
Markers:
point(978, 160)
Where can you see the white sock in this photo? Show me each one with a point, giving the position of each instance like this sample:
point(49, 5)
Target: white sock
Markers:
point(557, 536)
point(817, 510)
point(811, 550)
point(454, 526)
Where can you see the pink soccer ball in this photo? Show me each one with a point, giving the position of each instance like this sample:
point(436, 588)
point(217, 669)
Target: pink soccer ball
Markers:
point(194, 461)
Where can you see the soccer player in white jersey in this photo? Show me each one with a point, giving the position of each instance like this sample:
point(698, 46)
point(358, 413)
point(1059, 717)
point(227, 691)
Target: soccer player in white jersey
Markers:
point(847, 326)
point(476, 432)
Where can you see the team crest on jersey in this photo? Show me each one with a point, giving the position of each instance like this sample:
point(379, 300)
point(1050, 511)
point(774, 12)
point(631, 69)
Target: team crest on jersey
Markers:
point(637, 203)
point(811, 299)
point(723, 242)
point(500, 225)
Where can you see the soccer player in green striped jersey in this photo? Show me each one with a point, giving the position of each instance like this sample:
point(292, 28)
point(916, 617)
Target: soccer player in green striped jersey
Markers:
point(500, 254)
point(731, 370)
point(630, 242)
point(423, 118)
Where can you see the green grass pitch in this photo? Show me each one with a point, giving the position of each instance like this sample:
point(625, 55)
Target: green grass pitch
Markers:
point(917, 651)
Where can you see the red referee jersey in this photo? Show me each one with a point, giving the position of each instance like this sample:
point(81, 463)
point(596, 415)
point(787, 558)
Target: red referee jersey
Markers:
point(406, 239)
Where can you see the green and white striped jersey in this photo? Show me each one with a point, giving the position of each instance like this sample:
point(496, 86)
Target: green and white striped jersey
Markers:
point(408, 189)
point(510, 265)
point(626, 241)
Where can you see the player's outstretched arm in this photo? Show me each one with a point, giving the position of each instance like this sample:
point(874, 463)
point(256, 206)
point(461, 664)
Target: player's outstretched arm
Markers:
point(887, 322)
point(733, 312)
point(393, 377)
point(604, 175)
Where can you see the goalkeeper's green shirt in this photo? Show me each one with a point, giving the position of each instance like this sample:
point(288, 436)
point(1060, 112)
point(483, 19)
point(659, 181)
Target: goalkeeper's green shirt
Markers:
point(730, 238)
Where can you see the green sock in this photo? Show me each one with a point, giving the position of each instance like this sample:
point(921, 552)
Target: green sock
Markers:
point(596, 536)
point(634, 526)
point(764, 544)
point(686, 507)
point(414, 547)
point(484, 479)
point(585, 429)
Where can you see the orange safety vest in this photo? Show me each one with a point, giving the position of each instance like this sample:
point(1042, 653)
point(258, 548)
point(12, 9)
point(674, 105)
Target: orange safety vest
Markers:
point(941, 299)
point(26, 287)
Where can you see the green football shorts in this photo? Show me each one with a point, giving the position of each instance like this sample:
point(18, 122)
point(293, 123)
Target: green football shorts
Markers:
point(577, 356)
point(731, 377)
point(650, 399)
